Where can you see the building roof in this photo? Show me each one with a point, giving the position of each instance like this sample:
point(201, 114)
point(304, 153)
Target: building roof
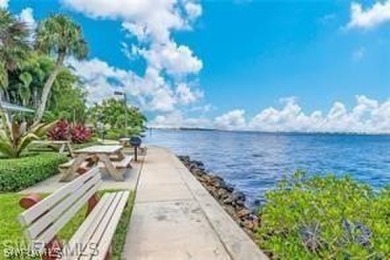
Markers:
point(15, 108)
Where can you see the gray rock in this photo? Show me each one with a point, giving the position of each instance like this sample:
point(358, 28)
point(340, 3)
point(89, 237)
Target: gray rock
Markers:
point(243, 213)
point(228, 200)
point(240, 203)
point(239, 196)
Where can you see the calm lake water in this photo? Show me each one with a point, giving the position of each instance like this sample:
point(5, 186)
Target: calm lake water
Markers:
point(254, 162)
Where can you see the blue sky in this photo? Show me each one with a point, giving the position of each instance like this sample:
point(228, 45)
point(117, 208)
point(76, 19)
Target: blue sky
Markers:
point(262, 65)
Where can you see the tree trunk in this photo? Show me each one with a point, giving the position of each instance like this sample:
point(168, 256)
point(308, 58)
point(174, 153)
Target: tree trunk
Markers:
point(35, 98)
point(47, 88)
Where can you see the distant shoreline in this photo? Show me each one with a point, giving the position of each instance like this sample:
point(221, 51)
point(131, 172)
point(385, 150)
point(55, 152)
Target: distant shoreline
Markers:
point(265, 132)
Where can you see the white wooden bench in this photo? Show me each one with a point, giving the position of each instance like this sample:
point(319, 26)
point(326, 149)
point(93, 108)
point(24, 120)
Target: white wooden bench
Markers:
point(43, 219)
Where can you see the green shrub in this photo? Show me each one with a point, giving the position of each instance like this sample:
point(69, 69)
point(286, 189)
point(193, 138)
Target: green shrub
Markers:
point(325, 218)
point(19, 173)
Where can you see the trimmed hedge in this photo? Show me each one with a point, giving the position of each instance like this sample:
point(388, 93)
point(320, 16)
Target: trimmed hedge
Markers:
point(17, 174)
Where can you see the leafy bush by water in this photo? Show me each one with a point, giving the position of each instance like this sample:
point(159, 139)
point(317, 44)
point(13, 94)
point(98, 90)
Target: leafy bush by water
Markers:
point(325, 217)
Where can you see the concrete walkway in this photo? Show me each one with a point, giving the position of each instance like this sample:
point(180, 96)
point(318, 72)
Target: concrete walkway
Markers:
point(174, 217)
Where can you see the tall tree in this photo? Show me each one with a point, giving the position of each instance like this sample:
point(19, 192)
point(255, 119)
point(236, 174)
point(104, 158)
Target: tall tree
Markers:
point(14, 47)
point(58, 35)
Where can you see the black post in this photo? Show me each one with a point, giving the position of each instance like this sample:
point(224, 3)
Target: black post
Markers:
point(135, 152)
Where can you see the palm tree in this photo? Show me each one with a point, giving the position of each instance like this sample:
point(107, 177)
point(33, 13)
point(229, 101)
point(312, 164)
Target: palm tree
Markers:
point(13, 45)
point(58, 35)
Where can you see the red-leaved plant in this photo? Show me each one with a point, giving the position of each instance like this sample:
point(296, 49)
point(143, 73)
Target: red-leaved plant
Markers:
point(61, 131)
point(80, 134)
point(77, 133)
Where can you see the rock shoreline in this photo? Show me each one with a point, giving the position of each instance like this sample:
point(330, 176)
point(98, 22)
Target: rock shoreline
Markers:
point(231, 200)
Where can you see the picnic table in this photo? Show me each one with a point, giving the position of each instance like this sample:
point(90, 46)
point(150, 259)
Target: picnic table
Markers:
point(62, 146)
point(109, 156)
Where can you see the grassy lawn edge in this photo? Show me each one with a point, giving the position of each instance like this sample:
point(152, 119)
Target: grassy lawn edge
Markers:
point(12, 232)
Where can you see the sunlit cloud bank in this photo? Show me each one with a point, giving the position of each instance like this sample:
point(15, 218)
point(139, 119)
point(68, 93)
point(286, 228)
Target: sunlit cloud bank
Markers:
point(366, 116)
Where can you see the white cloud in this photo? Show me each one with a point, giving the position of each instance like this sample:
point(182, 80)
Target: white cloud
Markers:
point(4, 4)
point(374, 16)
point(187, 96)
point(26, 16)
point(367, 116)
point(177, 120)
point(164, 86)
point(154, 18)
point(232, 120)
point(193, 10)
point(150, 92)
point(174, 59)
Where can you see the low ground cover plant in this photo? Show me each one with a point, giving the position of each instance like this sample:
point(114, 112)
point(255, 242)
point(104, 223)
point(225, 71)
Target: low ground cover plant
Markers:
point(19, 173)
point(325, 218)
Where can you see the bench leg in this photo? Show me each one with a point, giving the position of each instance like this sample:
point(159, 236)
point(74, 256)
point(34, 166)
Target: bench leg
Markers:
point(70, 150)
point(72, 170)
point(53, 249)
point(115, 174)
point(62, 148)
point(108, 254)
point(92, 202)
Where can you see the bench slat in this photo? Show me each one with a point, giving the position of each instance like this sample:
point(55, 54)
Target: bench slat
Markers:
point(88, 227)
point(124, 163)
point(50, 217)
point(108, 235)
point(69, 163)
point(96, 238)
point(49, 233)
point(31, 214)
point(118, 164)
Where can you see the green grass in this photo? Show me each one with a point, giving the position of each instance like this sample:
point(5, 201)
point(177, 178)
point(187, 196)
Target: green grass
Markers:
point(11, 231)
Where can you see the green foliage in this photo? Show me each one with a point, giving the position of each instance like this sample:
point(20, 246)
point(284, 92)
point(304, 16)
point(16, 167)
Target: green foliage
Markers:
point(20, 173)
point(15, 138)
point(60, 35)
point(14, 45)
point(325, 218)
point(32, 78)
point(115, 114)
point(26, 83)
point(68, 99)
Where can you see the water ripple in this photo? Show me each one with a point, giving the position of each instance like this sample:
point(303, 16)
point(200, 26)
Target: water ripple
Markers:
point(254, 162)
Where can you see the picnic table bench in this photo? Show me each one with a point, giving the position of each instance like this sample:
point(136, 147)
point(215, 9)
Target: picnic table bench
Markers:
point(43, 219)
point(123, 164)
point(109, 157)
